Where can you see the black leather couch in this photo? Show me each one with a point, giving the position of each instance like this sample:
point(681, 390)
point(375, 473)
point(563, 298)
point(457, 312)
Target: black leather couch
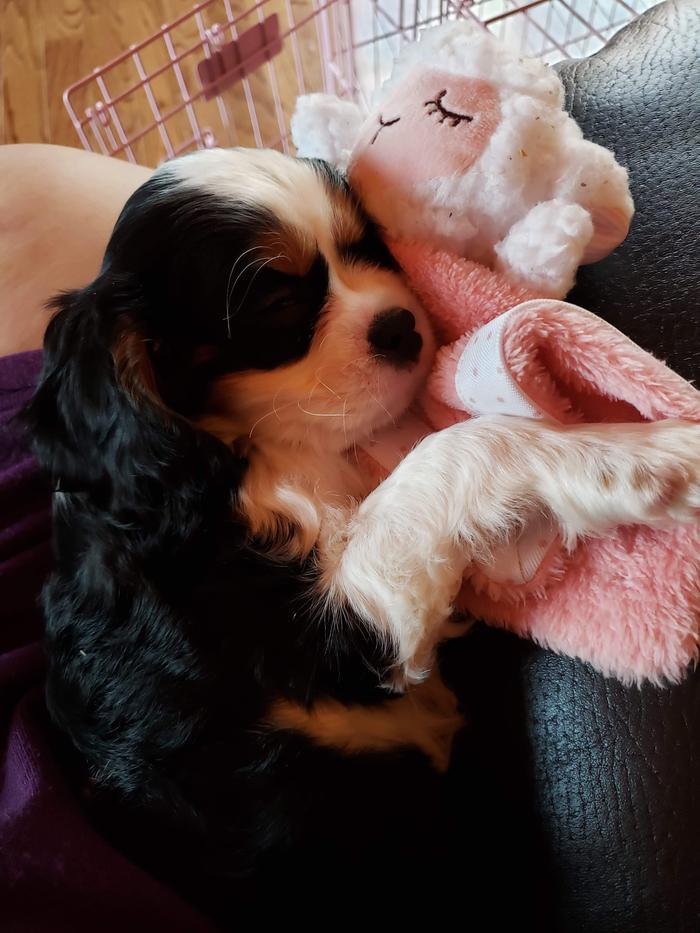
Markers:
point(592, 789)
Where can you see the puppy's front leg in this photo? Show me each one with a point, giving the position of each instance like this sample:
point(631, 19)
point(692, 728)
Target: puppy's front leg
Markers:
point(399, 560)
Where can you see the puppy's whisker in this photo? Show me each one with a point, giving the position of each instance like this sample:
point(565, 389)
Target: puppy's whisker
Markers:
point(232, 290)
point(360, 359)
point(253, 278)
point(383, 407)
point(228, 285)
point(273, 411)
point(274, 403)
point(345, 423)
point(319, 381)
point(313, 389)
point(321, 414)
point(325, 385)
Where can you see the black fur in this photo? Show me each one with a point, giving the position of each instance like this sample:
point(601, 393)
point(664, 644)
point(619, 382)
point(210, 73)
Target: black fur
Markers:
point(370, 248)
point(168, 635)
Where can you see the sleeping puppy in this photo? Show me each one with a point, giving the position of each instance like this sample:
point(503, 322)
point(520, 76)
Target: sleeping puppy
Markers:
point(240, 633)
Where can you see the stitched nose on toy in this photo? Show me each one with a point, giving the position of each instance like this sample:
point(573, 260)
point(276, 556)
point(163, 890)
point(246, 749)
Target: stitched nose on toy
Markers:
point(393, 336)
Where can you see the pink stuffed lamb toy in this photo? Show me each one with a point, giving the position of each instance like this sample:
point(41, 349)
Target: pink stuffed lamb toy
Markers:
point(491, 199)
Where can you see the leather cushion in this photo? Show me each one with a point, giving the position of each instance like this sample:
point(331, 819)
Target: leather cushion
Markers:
point(640, 96)
point(615, 772)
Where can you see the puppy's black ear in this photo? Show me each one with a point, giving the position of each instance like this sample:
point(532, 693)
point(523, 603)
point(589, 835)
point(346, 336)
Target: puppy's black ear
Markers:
point(98, 417)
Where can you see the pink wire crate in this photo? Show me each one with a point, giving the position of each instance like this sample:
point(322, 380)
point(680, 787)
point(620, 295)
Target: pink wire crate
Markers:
point(227, 73)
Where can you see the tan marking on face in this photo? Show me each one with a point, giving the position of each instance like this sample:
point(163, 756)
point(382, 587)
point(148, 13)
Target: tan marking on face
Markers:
point(288, 250)
point(347, 225)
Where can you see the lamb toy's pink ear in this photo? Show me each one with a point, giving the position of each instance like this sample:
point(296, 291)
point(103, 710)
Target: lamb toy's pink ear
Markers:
point(325, 127)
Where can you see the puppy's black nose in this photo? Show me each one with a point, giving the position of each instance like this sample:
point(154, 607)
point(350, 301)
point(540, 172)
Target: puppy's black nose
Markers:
point(392, 334)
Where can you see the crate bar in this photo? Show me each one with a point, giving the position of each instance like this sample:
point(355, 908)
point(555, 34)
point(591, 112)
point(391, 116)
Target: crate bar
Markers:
point(94, 124)
point(348, 77)
point(188, 143)
point(272, 72)
point(402, 33)
point(223, 114)
point(353, 78)
point(136, 47)
point(630, 9)
point(247, 93)
point(153, 103)
point(230, 24)
point(397, 27)
point(322, 45)
point(104, 120)
point(75, 120)
point(523, 9)
point(592, 30)
point(114, 116)
point(296, 55)
point(174, 110)
point(180, 78)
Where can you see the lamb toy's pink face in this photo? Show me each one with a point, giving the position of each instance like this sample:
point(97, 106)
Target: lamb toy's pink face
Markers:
point(434, 124)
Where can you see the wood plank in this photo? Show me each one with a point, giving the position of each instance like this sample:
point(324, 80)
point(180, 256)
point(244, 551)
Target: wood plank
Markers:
point(64, 38)
point(24, 73)
point(46, 45)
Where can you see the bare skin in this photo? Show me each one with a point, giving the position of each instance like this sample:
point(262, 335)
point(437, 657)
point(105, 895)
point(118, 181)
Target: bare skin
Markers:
point(57, 209)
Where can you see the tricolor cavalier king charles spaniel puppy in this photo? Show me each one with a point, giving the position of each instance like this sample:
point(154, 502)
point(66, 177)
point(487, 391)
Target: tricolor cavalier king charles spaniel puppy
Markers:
point(240, 632)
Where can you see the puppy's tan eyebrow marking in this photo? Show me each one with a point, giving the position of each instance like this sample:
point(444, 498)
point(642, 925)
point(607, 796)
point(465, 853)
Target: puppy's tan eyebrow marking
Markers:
point(346, 224)
point(288, 250)
point(369, 248)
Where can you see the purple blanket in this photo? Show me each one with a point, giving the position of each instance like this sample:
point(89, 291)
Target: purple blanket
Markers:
point(56, 872)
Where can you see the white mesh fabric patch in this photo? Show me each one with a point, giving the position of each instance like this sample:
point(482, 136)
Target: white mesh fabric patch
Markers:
point(483, 382)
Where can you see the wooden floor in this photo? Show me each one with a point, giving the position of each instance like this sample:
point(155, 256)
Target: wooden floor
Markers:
point(45, 45)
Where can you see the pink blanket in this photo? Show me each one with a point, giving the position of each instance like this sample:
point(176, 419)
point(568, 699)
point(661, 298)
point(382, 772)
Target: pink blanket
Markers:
point(628, 603)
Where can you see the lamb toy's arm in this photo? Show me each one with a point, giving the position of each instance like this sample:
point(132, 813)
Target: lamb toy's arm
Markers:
point(543, 250)
point(326, 127)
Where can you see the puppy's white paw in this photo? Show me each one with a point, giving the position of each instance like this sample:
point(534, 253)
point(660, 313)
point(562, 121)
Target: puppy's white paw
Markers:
point(666, 482)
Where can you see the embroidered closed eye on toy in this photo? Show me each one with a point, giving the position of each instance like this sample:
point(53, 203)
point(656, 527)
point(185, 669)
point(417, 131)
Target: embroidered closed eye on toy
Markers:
point(491, 199)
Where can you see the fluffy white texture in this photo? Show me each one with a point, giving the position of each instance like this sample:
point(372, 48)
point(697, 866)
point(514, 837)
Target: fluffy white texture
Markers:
point(543, 249)
point(468, 50)
point(262, 178)
point(400, 558)
point(397, 554)
point(536, 155)
point(302, 417)
point(326, 127)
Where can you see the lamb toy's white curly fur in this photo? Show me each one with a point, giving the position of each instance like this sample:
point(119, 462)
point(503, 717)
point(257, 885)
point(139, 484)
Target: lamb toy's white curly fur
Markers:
point(535, 199)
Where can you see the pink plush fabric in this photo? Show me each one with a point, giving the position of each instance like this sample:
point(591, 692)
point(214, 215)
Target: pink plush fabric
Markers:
point(455, 291)
point(629, 603)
